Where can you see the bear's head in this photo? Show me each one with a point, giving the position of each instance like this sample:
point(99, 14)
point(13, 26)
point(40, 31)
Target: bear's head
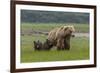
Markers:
point(68, 30)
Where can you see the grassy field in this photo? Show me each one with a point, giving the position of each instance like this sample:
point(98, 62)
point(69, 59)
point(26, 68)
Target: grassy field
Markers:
point(50, 26)
point(79, 45)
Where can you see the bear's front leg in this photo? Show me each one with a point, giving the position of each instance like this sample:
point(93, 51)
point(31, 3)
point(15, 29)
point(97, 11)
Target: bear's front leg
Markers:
point(67, 44)
point(60, 44)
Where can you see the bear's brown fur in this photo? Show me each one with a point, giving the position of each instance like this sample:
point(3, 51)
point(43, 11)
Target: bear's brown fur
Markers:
point(60, 37)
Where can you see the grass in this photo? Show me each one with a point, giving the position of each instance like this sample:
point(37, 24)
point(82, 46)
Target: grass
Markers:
point(79, 45)
point(50, 26)
point(77, 51)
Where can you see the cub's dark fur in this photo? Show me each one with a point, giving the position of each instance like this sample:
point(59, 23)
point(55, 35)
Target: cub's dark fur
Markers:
point(47, 45)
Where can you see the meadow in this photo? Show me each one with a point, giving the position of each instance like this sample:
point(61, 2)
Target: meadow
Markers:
point(49, 26)
point(79, 45)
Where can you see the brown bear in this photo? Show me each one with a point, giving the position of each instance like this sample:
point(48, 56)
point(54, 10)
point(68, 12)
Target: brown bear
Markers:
point(42, 46)
point(60, 37)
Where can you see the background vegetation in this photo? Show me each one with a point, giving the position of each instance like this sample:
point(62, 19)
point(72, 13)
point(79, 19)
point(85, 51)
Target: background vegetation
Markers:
point(54, 17)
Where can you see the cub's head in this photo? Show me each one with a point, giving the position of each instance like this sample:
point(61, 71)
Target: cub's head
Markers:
point(37, 45)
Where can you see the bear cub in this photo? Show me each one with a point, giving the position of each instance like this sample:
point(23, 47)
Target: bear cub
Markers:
point(47, 45)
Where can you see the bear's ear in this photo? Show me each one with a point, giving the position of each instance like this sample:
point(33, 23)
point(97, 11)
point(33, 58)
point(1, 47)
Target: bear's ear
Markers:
point(66, 28)
point(72, 28)
point(62, 27)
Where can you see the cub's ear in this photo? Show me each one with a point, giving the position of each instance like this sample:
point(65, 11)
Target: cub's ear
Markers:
point(47, 40)
point(34, 42)
point(38, 41)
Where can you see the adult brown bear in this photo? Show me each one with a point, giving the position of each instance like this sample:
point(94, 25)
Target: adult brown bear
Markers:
point(60, 37)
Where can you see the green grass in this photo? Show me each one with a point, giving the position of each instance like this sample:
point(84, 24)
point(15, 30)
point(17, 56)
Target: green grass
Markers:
point(79, 51)
point(79, 45)
point(50, 26)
